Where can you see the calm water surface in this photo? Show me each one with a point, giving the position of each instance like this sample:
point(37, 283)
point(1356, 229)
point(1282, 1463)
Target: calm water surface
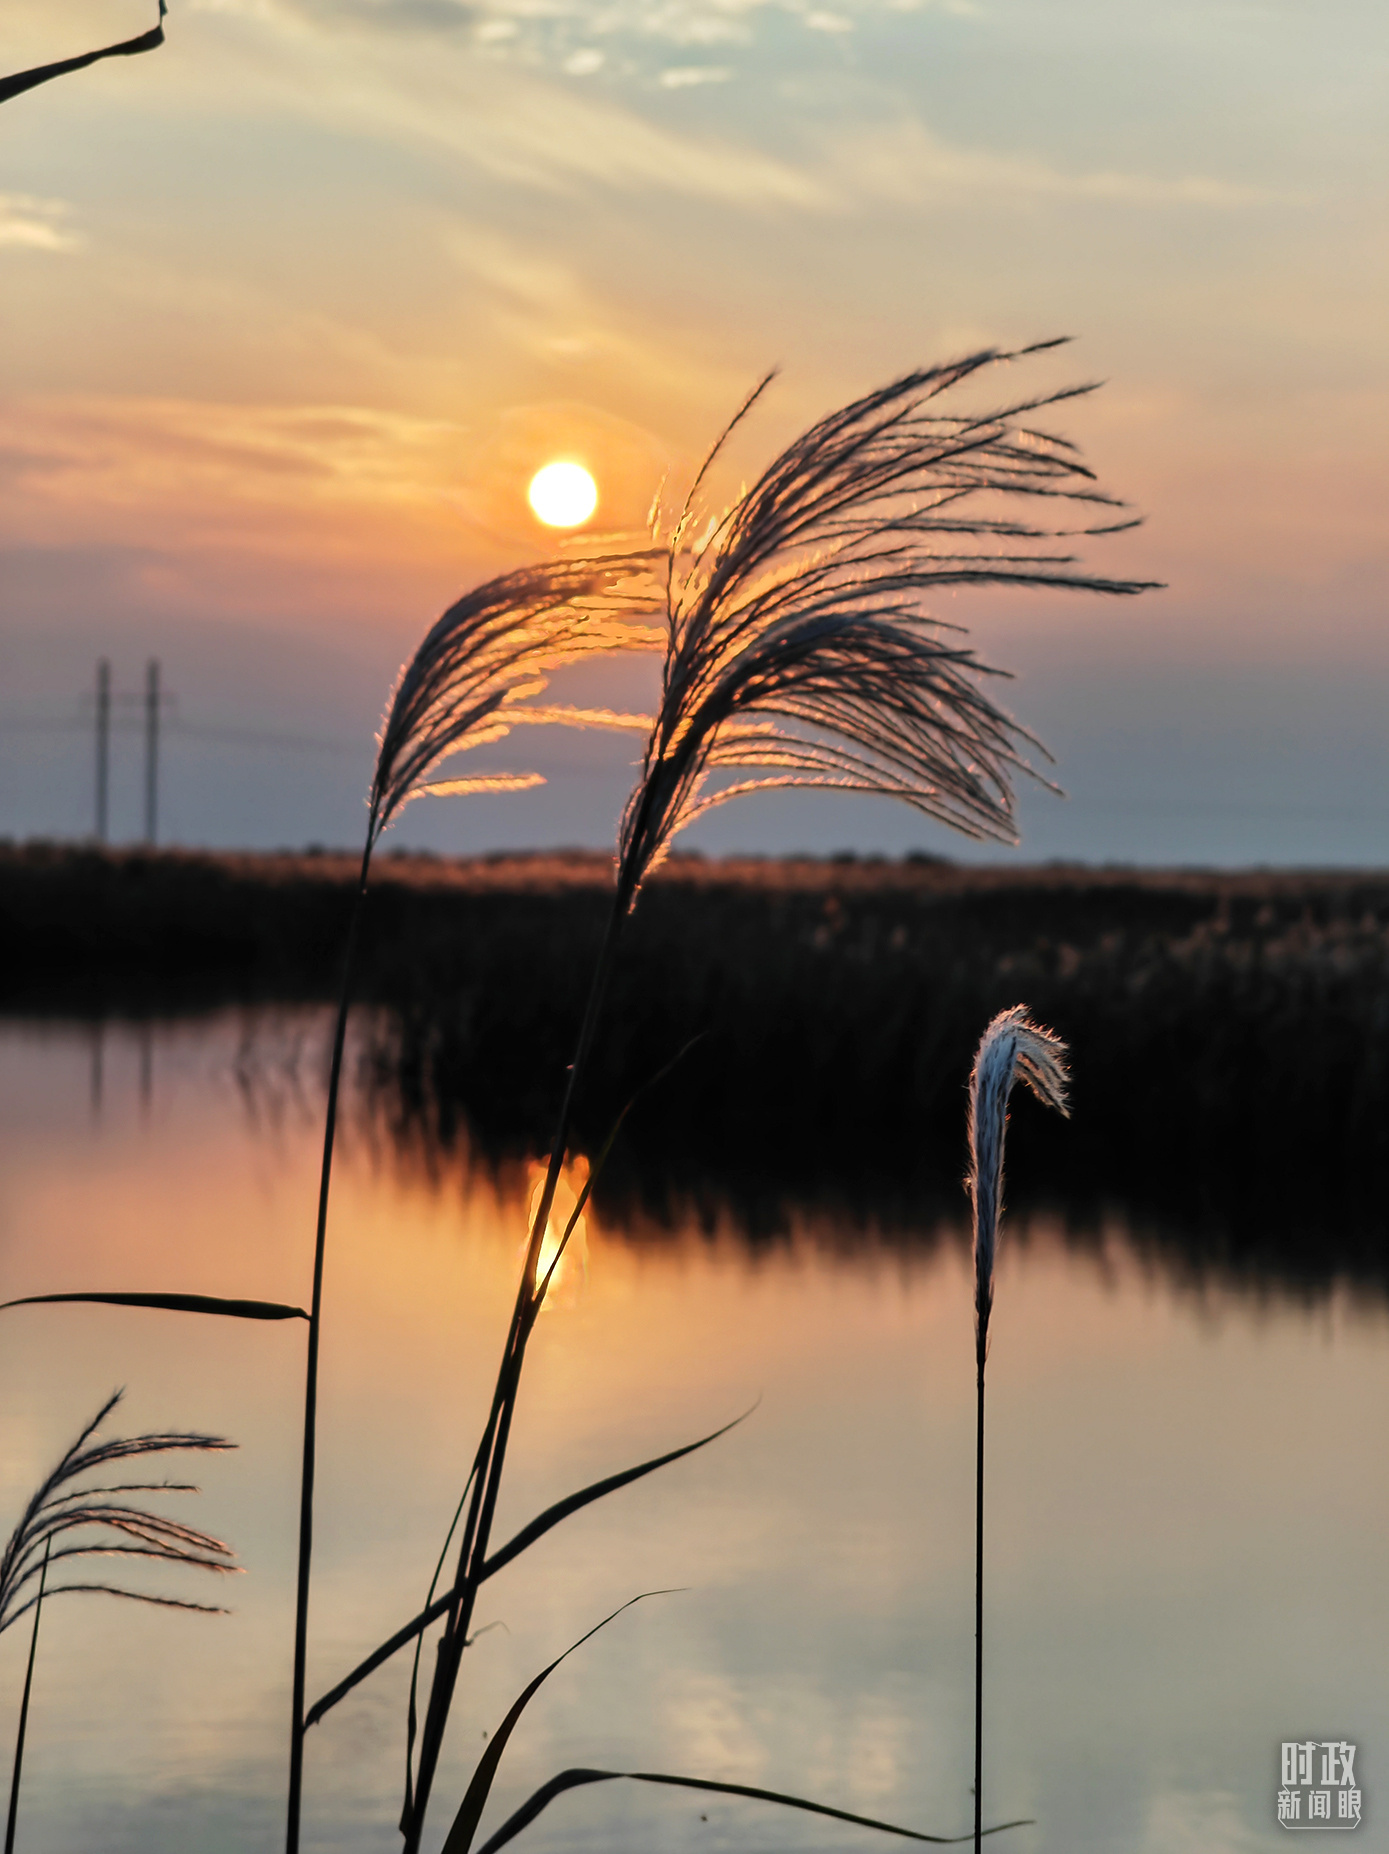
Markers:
point(1188, 1499)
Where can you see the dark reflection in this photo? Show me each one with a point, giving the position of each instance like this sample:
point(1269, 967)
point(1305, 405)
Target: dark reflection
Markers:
point(719, 1145)
point(1228, 1032)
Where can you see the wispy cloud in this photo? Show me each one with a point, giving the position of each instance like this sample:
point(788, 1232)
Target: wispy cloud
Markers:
point(217, 468)
point(29, 224)
point(682, 76)
point(905, 161)
point(528, 127)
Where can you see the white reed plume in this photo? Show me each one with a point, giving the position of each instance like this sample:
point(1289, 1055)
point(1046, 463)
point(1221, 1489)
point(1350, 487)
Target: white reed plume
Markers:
point(478, 670)
point(1012, 1049)
point(798, 644)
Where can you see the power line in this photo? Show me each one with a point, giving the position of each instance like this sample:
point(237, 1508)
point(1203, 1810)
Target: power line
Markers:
point(174, 723)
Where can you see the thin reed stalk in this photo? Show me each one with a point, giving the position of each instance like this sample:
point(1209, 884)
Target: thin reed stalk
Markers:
point(12, 1817)
point(474, 677)
point(309, 1459)
point(798, 647)
point(1013, 1048)
point(490, 1460)
point(86, 1522)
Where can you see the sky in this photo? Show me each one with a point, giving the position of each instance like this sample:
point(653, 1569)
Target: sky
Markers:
point(291, 308)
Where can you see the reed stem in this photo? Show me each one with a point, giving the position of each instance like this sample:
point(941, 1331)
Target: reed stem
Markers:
point(491, 1457)
point(24, 1707)
point(979, 1608)
point(306, 1482)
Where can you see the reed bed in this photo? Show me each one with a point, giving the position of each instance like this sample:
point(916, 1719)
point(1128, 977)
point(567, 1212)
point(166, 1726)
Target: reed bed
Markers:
point(1236, 1021)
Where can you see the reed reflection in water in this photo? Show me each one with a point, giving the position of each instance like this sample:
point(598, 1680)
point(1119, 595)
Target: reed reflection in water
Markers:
point(1189, 1495)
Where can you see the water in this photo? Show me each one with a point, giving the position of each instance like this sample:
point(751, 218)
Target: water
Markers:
point(1187, 1498)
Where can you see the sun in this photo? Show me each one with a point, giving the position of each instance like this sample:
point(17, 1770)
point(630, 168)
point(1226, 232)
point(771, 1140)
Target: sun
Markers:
point(563, 495)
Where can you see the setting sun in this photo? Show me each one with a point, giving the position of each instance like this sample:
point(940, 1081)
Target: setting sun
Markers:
point(563, 495)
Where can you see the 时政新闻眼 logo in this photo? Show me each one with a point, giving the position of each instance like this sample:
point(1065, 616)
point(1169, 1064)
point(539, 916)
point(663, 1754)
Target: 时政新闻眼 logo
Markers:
point(1318, 1787)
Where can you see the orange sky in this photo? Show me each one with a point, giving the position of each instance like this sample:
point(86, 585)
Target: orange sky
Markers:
point(290, 308)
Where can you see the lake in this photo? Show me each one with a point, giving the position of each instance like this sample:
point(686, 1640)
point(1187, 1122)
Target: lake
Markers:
point(1188, 1494)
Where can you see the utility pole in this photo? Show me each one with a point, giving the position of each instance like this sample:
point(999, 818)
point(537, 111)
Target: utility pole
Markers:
point(152, 700)
point(103, 744)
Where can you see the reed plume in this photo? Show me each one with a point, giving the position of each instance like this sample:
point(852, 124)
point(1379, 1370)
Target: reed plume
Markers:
point(98, 1521)
point(799, 645)
point(474, 677)
point(1012, 1049)
point(799, 649)
point(53, 1515)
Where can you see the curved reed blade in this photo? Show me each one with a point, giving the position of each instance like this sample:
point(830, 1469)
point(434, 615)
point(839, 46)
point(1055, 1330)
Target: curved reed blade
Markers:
point(575, 1779)
point(527, 1536)
point(21, 81)
point(460, 1837)
point(171, 1303)
point(562, 1509)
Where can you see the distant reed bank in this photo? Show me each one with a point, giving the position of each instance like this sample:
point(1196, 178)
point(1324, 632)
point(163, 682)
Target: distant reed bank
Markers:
point(1230, 1031)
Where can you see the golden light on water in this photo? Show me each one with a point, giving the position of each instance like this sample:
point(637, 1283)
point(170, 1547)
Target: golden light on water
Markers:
point(563, 494)
point(572, 1271)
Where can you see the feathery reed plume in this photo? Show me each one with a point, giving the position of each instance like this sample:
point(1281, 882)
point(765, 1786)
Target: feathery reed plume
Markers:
point(477, 671)
point(1012, 1049)
point(473, 679)
point(54, 1515)
point(799, 648)
point(97, 1522)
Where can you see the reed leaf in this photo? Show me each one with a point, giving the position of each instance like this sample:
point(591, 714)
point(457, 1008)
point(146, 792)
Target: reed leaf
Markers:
point(526, 1537)
point(171, 1303)
point(20, 81)
point(575, 1779)
point(460, 1836)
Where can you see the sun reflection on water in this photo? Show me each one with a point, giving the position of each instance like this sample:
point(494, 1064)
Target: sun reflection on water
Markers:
point(569, 1277)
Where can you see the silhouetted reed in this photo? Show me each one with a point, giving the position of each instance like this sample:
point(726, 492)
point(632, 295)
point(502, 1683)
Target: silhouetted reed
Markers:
point(97, 1521)
point(799, 649)
point(1012, 1049)
point(19, 81)
point(471, 681)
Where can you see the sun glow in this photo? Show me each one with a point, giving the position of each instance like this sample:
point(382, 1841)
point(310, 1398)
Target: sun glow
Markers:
point(572, 1272)
point(563, 495)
